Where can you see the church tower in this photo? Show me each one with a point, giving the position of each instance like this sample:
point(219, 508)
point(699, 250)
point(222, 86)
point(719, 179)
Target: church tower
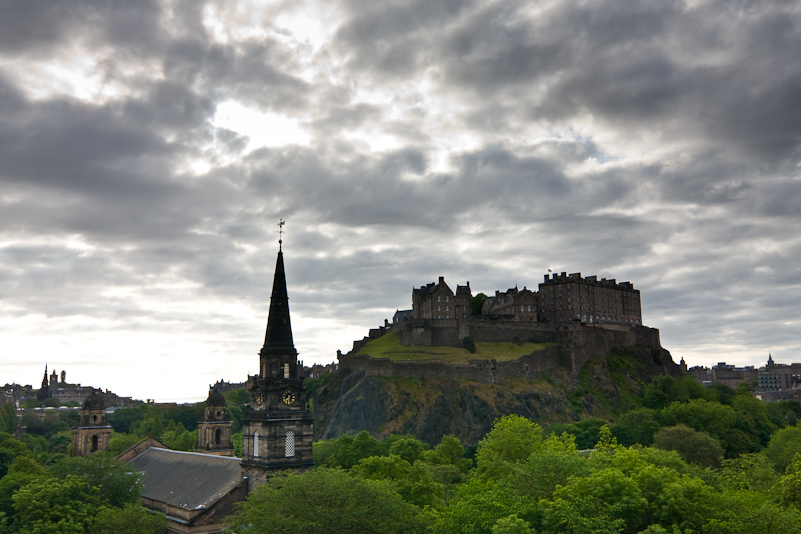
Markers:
point(93, 432)
point(277, 429)
point(214, 431)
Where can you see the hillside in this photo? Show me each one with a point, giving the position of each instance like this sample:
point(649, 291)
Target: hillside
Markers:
point(389, 346)
point(352, 400)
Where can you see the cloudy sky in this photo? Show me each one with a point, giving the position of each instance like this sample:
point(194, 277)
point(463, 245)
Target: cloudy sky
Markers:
point(149, 148)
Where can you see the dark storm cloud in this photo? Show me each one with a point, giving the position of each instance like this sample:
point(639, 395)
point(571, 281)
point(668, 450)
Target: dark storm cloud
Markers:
point(657, 143)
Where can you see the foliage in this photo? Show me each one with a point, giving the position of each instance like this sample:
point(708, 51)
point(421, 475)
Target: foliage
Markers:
point(55, 506)
point(8, 417)
point(477, 302)
point(512, 439)
point(118, 484)
point(326, 501)
point(783, 447)
point(131, 519)
point(692, 446)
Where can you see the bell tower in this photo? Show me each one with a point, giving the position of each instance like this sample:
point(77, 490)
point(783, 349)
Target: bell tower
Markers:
point(277, 428)
point(93, 432)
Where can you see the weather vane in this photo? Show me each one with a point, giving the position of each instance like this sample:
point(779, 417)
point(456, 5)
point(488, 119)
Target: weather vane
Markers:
point(281, 223)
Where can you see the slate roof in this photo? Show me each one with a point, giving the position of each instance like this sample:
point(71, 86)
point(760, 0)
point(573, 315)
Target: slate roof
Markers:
point(185, 479)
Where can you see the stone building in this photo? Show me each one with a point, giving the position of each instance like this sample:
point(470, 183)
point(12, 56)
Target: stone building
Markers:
point(438, 301)
point(93, 431)
point(565, 298)
point(214, 430)
point(277, 430)
point(518, 305)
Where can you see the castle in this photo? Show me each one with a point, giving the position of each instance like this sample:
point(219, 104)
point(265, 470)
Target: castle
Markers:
point(562, 298)
point(581, 319)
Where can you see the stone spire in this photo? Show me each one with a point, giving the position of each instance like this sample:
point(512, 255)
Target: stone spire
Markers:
point(278, 338)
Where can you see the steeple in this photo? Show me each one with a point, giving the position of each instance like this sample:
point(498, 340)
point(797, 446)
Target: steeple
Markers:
point(278, 338)
point(277, 429)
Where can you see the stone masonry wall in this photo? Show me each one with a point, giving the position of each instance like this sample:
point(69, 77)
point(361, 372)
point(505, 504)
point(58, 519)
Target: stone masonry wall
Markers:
point(576, 345)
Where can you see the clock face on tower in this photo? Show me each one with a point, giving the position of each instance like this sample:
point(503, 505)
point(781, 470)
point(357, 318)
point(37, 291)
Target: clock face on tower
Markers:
point(288, 397)
point(258, 398)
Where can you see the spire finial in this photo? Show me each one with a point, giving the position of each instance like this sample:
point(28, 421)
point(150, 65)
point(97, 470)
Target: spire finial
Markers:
point(281, 223)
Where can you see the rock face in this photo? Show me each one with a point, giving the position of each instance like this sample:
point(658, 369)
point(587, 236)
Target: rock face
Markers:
point(429, 407)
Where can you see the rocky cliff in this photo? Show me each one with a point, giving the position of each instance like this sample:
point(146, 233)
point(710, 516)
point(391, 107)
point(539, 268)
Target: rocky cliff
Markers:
point(352, 400)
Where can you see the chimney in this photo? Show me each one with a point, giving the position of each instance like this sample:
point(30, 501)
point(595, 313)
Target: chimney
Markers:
point(441, 279)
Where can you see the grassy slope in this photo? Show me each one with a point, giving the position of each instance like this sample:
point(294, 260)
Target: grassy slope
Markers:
point(389, 346)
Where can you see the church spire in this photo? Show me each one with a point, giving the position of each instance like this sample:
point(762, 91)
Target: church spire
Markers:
point(278, 338)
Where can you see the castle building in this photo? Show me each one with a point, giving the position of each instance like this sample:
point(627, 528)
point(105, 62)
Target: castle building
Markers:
point(93, 431)
point(566, 298)
point(214, 430)
point(438, 301)
point(515, 304)
point(277, 429)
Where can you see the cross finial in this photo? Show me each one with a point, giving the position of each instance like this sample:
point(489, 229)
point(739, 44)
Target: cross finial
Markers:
point(281, 223)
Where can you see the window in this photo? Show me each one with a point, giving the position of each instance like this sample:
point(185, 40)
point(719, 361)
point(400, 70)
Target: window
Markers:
point(439, 308)
point(439, 317)
point(447, 308)
point(447, 298)
point(289, 444)
point(286, 370)
point(94, 443)
point(255, 444)
point(217, 439)
point(439, 299)
point(522, 308)
point(529, 307)
point(447, 316)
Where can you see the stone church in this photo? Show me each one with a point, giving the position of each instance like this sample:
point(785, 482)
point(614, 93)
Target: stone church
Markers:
point(198, 490)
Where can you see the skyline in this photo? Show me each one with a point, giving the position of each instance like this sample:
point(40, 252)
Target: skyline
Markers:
point(148, 151)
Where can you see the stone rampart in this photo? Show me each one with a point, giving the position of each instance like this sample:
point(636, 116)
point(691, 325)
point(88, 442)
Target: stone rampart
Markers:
point(576, 344)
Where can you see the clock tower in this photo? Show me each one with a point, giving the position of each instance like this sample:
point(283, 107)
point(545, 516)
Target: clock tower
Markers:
point(277, 432)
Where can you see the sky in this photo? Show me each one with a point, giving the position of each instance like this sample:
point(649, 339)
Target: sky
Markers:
point(149, 149)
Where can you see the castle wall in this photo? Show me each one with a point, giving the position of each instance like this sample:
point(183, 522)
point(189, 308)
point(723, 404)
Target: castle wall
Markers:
point(576, 345)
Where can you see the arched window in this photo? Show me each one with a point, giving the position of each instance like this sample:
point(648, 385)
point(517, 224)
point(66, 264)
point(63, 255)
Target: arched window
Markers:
point(289, 445)
point(94, 443)
point(217, 436)
point(255, 444)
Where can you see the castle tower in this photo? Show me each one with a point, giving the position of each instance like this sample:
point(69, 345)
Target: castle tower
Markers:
point(93, 430)
point(214, 431)
point(277, 432)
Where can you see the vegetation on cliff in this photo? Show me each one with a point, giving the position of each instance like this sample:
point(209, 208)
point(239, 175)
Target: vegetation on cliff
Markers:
point(428, 408)
point(389, 346)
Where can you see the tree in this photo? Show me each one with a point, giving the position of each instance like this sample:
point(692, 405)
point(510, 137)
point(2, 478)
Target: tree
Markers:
point(53, 506)
point(477, 302)
point(118, 485)
point(350, 450)
point(692, 446)
point(449, 452)
point(604, 502)
point(409, 449)
point(325, 501)
point(512, 439)
point(783, 446)
point(129, 520)
point(636, 426)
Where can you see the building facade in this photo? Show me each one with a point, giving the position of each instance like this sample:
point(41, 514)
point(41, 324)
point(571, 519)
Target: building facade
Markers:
point(565, 298)
point(438, 301)
point(214, 430)
point(93, 432)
